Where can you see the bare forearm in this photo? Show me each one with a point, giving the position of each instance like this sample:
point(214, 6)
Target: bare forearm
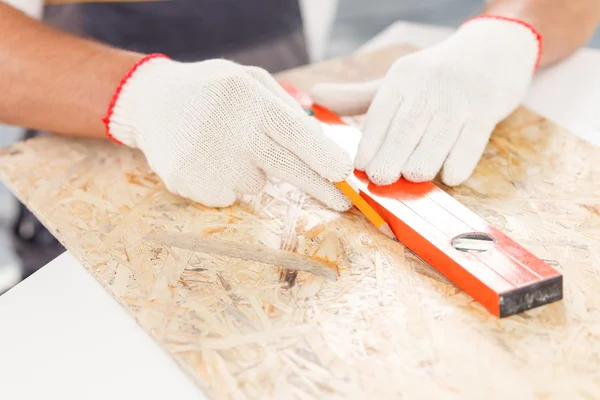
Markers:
point(53, 81)
point(565, 25)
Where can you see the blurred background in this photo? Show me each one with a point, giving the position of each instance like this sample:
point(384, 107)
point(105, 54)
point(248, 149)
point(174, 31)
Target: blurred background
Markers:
point(332, 27)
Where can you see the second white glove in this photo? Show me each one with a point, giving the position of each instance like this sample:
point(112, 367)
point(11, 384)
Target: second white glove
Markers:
point(436, 109)
point(214, 129)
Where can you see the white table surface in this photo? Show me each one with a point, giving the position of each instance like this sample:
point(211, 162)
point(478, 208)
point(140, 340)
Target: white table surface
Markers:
point(63, 337)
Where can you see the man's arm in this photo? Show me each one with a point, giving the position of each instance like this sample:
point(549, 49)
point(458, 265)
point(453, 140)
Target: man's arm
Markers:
point(53, 81)
point(565, 25)
point(439, 120)
point(211, 130)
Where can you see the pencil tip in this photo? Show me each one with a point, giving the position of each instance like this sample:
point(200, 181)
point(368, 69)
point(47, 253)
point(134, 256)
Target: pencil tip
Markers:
point(387, 231)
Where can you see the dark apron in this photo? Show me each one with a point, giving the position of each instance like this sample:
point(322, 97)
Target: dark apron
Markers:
point(266, 33)
point(193, 30)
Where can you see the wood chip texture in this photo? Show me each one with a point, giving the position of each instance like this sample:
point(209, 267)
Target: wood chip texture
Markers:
point(389, 326)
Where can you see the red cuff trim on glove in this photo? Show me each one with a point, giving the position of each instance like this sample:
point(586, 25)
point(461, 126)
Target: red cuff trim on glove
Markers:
point(538, 35)
point(113, 102)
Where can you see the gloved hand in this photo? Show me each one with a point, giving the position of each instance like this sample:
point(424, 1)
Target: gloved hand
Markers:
point(212, 130)
point(438, 107)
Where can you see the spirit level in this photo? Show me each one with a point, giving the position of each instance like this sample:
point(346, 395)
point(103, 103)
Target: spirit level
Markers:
point(497, 272)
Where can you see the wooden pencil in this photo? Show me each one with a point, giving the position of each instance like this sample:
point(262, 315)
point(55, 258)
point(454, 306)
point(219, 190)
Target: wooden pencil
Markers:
point(365, 208)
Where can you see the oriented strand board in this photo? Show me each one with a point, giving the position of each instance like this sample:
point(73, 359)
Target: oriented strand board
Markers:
point(389, 326)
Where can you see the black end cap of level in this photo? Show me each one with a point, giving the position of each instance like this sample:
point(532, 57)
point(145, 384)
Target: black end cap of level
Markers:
point(532, 296)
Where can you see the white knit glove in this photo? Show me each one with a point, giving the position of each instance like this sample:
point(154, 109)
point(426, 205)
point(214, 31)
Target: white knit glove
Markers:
point(212, 130)
point(438, 107)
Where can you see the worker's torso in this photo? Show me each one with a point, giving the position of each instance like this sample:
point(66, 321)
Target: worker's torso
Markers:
point(191, 30)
